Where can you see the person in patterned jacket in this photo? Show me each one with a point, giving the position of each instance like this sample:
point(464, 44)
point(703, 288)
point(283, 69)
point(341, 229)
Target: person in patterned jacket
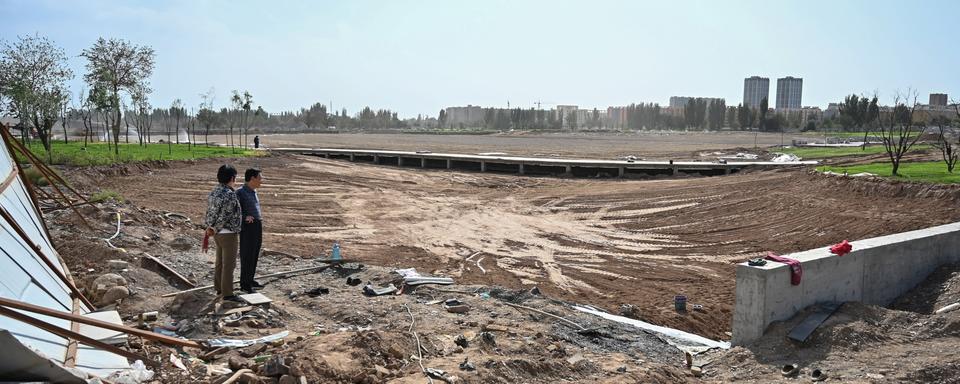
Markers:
point(223, 221)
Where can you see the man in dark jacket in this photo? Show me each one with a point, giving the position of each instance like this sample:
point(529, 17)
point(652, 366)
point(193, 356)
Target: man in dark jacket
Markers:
point(251, 236)
point(223, 224)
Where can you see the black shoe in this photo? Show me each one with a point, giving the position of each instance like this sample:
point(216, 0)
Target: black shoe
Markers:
point(256, 285)
point(247, 290)
point(233, 298)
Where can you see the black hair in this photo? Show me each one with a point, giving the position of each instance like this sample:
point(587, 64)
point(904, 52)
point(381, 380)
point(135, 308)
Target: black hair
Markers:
point(251, 173)
point(226, 173)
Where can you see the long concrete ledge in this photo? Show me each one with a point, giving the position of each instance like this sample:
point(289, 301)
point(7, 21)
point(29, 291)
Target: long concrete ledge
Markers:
point(534, 165)
point(877, 271)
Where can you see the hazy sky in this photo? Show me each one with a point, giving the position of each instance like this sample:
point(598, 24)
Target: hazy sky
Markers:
point(419, 56)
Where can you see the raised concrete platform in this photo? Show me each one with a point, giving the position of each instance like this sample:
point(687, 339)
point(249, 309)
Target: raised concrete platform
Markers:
point(877, 271)
point(535, 165)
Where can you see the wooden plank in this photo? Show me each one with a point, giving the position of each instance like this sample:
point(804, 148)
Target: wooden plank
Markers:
point(70, 360)
point(181, 281)
point(68, 334)
point(16, 304)
point(256, 299)
point(803, 330)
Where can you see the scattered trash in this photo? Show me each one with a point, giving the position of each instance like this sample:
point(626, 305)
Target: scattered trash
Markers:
point(697, 307)
point(696, 371)
point(628, 310)
point(535, 291)
point(427, 280)
point(370, 290)
point(488, 338)
point(177, 362)
point(680, 303)
point(117, 264)
point(456, 306)
point(622, 369)
point(466, 365)
point(138, 373)
point(221, 342)
point(274, 367)
point(758, 262)
point(785, 158)
point(353, 281)
point(682, 340)
point(318, 291)
point(478, 266)
point(948, 308)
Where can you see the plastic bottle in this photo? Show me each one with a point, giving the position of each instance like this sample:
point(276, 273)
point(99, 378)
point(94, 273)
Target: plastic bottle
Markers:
point(335, 254)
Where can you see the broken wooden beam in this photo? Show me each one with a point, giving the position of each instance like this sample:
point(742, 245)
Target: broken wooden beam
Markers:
point(278, 274)
point(154, 264)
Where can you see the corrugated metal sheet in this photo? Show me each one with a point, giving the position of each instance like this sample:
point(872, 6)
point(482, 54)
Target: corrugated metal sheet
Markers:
point(27, 278)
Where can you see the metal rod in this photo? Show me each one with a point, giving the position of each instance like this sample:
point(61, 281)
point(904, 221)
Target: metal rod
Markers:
point(16, 304)
point(68, 334)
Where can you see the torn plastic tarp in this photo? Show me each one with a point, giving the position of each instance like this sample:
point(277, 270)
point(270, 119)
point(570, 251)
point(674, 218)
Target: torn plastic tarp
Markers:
point(684, 341)
point(412, 277)
point(235, 343)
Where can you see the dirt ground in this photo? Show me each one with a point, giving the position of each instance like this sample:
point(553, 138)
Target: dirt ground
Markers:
point(602, 242)
point(599, 242)
point(648, 145)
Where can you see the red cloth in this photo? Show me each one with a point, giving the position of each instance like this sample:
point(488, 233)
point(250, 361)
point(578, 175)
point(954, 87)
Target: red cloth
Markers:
point(841, 248)
point(796, 271)
point(206, 242)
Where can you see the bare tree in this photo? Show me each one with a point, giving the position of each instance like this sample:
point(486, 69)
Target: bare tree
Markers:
point(898, 130)
point(946, 142)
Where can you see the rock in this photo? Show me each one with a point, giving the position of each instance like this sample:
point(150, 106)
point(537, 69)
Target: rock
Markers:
point(287, 379)
point(696, 371)
point(395, 351)
point(573, 360)
point(462, 341)
point(488, 338)
point(535, 291)
point(466, 365)
point(628, 310)
point(622, 369)
point(382, 371)
point(117, 264)
point(181, 243)
point(106, 281)
point(253, 350)
point(256, 324)
point(303, 380)
point(237, 363)
point(113, 294)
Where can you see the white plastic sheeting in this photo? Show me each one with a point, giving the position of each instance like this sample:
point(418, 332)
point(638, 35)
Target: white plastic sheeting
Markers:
point(684, 341)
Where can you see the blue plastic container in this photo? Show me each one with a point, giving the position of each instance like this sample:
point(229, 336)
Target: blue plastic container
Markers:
point(335, 254)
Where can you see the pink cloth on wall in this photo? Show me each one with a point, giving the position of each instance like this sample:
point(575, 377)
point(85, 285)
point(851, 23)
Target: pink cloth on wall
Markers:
point(796, 271)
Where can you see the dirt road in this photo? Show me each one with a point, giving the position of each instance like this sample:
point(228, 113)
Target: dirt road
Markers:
point(599, 242)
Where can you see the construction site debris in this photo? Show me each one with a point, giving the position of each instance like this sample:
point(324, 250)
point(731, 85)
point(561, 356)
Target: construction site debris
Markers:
point(370, 290)
point(256, 299)
point(236, 343)
point(948, 308)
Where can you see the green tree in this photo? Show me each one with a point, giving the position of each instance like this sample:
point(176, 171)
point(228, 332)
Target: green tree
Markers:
point(33, 76)
point(119, 66)
point(315, 116)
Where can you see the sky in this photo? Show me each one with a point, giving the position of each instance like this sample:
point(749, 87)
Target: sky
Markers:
point(416, 57)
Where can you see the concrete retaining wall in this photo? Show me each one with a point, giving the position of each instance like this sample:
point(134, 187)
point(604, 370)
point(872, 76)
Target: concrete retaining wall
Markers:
point(877, 271)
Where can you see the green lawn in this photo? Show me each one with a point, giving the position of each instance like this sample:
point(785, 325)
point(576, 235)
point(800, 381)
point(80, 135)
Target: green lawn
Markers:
point(926, 171)
point(74, 153)
point(824, 152)
point(849, 135)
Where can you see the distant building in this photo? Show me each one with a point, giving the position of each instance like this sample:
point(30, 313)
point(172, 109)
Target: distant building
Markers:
point(755, 89)
point(470, 116)
point(938, 99)
point(789, 92)
point(563, 113)
point(833, 110)
point(681, 101)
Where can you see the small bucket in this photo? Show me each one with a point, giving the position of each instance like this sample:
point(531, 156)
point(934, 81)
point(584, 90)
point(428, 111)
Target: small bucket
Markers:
point(680, 302)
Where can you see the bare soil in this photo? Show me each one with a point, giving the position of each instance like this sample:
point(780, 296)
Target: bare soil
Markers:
point(598, 242)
